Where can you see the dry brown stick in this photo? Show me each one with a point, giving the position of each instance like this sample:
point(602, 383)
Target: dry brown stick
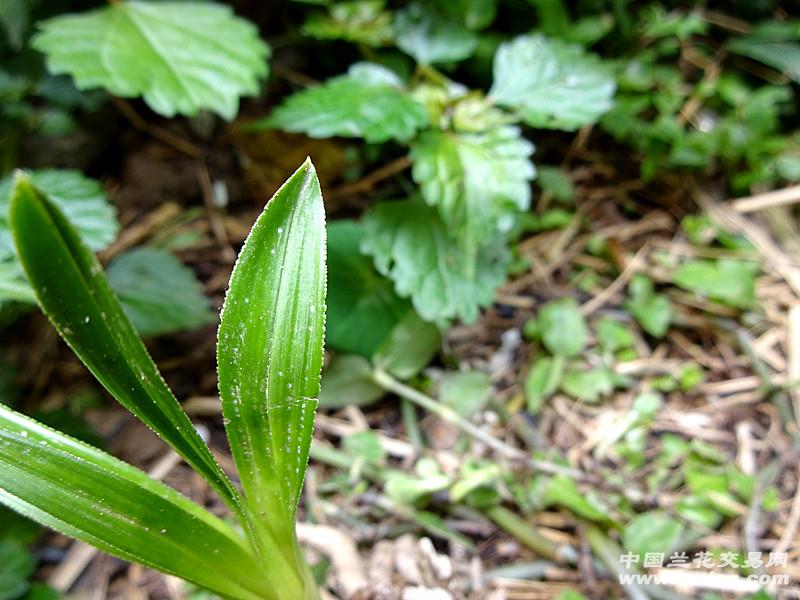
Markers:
point(134, 234)
point(293, 76)
point(690, 108)
point(793, 358)
point(161, 134)
point(369, 181)
point(214, 220)
point(342, 551)
point(789, 536)
point(726, 22)
point(782, 197)
point(773, 256)
point(616, 286)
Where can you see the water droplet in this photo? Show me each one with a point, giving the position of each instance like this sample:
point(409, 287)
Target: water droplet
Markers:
point(163, 531)
point(86, 319)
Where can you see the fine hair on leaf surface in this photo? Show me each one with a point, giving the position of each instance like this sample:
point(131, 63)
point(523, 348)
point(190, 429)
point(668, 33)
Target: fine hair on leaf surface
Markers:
point(270, 357)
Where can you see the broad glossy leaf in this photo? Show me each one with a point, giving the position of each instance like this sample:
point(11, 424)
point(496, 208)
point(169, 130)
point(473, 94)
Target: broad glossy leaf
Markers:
point(430, 38)
point(359, 21)
point(181, 57)
point(477, 181)
point(351, 106)
point(74, 293)
point(158, 292)
point(270, 349)
point(551, 84)
point(90, 495)
point(410, 244)
point(363, 307)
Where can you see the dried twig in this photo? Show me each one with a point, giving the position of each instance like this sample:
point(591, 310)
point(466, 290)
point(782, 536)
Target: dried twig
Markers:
point(790, 195)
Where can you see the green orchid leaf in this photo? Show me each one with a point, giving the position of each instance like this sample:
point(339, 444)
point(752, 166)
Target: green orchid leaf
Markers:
point(477, 181)
point(181, 57)
point(551, 84)
point(411, 245)
point(158, 292)
point(90, 495)
point(352, 106)
point(74, 293)
point(269, 350)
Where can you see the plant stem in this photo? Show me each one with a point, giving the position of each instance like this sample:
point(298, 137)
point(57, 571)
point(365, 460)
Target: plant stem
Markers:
point(389, 383)
point(519, 528)
point(411, 424)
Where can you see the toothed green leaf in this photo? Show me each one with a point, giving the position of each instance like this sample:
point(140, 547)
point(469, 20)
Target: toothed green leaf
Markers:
point(158, 292)
point(351, 106)
point(551, 84)
point(477, 181)
point(410, 244)
point(181, 57)
point(430, 38)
